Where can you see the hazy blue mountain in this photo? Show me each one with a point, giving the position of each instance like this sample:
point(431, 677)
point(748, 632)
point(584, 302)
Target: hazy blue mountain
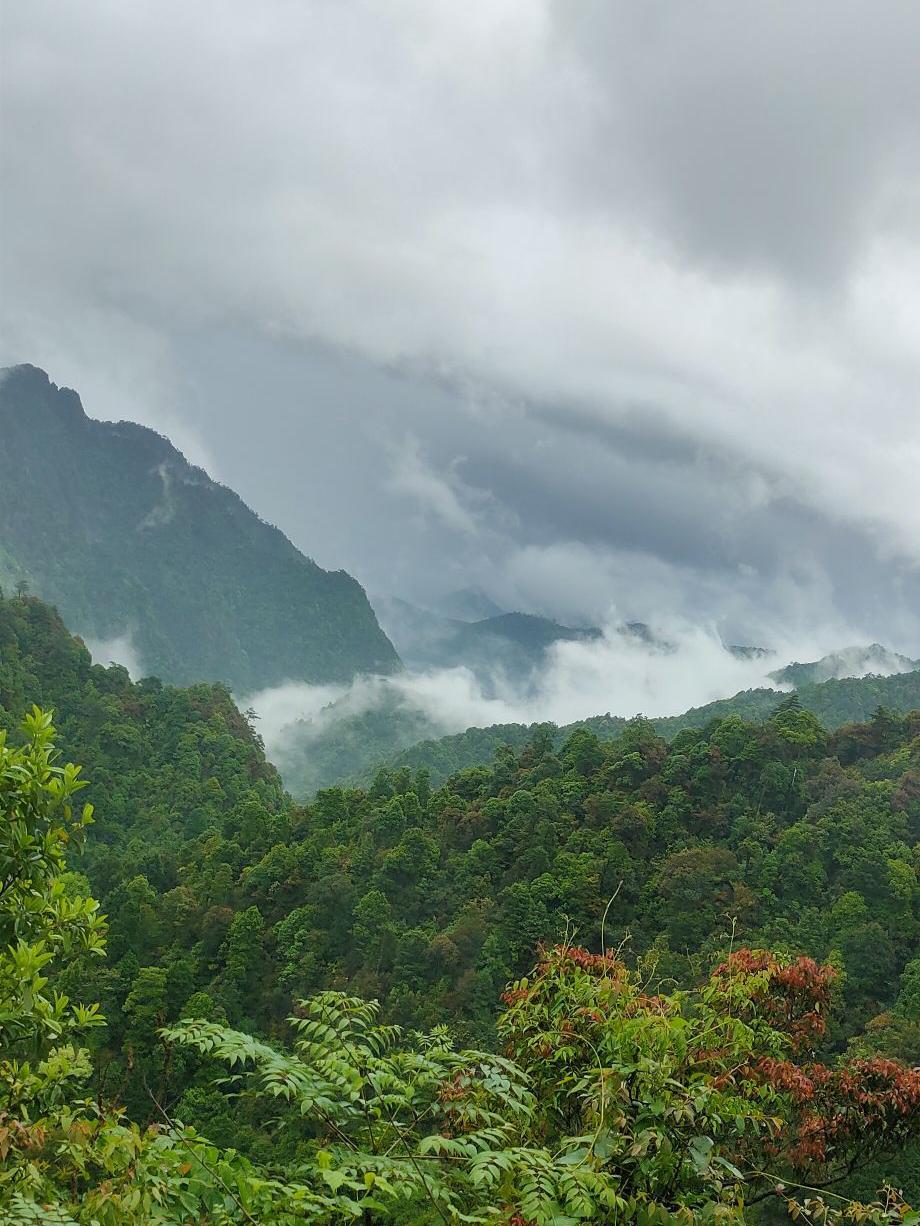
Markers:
point(743, 652)
point(874, 660)
point(511, 645)
point(421, 636)
point(110, 522)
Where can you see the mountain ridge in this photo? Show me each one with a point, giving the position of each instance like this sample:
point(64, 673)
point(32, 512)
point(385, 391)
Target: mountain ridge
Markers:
point(112, 524)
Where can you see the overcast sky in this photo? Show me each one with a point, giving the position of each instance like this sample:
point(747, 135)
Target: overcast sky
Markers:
point(589, 303)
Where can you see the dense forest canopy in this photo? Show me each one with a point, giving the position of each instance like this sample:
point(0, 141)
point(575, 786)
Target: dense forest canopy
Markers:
point(148, 547)
point(609, 1104)
point(225, 900)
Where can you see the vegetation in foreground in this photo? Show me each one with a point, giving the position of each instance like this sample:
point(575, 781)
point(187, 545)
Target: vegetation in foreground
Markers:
point(607, 1104)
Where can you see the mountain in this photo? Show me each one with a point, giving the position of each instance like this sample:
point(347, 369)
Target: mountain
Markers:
point(743, 652)
point(131, 542)
point(380, 717)
point(512, 643)
point(163, 763)
point(422, 637)
point(507, 645)
point(874, 660)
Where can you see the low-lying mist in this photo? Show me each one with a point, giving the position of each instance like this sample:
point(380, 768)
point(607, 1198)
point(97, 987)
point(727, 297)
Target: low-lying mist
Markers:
point(117, 649)
point(322, 734)
point(617, 673)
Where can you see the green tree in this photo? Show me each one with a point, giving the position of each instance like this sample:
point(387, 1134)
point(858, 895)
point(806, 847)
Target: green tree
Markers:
point(66, 1158)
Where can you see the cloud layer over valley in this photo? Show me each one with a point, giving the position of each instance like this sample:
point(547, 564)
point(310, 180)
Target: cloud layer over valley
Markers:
point(617, 673)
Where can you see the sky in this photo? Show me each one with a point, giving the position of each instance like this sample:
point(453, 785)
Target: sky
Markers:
point(611, 309)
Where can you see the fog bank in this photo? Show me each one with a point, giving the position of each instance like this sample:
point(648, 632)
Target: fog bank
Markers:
point(618, 674)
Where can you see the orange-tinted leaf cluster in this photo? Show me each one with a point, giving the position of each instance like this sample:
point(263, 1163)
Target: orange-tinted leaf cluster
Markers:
point(453, 1090)
point(567, 957)
point(796, 995)
point(643, 1003)
point(514, 996)
point(862, 1107)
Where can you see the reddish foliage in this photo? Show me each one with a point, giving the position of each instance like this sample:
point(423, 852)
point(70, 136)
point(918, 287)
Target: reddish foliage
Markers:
point(836, 1114)
point(514, 996)
point(797, 994)
point(453, 1090)
point(651, 1004)
point(568, 957)
point(831, 1116)
point(861, 1107)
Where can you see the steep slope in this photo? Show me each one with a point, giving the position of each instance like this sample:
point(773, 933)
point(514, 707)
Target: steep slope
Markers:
point(163, 763)
point(113, 525)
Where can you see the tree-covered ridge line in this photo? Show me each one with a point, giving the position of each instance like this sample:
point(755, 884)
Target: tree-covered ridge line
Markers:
point(608, 1104)
point(109, 522)
point(834, 702)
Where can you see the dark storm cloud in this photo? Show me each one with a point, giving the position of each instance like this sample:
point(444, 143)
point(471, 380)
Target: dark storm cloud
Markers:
point(755, 134)
point(587, 302)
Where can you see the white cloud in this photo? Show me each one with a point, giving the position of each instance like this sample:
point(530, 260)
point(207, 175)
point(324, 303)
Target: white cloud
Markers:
point(437, 494)
point(618, 674)
point(281, 705)
point(119, 649)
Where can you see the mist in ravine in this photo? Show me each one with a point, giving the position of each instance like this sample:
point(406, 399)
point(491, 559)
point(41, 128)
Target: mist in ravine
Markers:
point(617, 673)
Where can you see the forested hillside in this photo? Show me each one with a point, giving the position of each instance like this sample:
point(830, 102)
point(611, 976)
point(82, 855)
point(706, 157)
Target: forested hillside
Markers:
point(225, 901)
point(112, 524)
point(607, 1104)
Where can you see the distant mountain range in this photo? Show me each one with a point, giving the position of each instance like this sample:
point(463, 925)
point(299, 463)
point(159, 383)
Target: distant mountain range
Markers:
point(110, 522)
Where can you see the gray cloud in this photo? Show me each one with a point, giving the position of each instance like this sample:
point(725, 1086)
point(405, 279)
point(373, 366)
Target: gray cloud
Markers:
point(499, 292)
point(763, 136)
